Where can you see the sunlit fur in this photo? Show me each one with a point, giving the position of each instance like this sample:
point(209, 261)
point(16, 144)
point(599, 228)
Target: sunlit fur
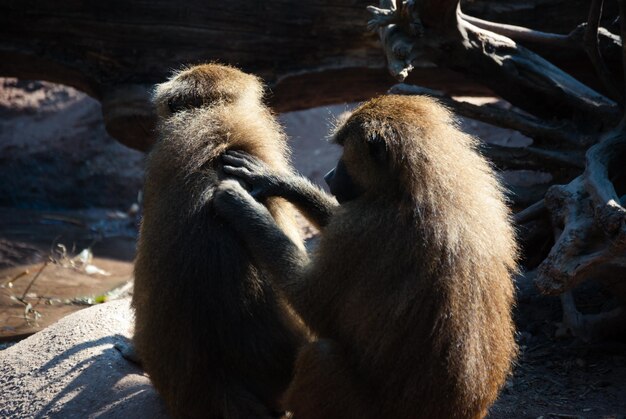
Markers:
point(410, 288)
point(214, 337)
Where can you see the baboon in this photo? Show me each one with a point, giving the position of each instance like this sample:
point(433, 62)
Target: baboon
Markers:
point(410, 288)
point(215, 338)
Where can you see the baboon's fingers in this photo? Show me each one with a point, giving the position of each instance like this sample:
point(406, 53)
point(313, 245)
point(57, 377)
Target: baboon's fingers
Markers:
point(240, 158)
point(230, 157)
point(243, 172)
point(236, 153)
point(248, 180)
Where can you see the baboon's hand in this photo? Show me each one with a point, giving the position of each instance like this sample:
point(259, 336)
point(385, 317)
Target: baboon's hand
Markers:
point(263, 181)
point(233, 202)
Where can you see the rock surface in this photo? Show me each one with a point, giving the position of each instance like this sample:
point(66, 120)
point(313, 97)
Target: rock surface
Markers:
point(71, 370)
point(56, 153)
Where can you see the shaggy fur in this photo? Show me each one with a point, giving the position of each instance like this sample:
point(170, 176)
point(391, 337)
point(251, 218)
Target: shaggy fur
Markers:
point(410, 289)
point(215, 338)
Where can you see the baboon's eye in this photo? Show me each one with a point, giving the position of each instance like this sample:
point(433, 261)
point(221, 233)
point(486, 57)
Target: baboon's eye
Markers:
point(377, 148)
point(180, 103)
point(341, 183)
point(175, 104)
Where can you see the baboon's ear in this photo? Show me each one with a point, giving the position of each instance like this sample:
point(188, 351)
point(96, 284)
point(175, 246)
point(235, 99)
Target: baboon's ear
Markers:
point(377, 148)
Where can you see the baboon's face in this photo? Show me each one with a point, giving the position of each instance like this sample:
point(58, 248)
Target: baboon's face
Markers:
point(341, 183)
point(363, 166)
point(205, 85)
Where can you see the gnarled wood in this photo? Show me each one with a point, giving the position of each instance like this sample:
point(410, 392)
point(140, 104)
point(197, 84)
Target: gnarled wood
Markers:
point(112, 50)
point(311, 52)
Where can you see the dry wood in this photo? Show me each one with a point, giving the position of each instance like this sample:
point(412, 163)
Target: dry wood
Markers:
point(311, 55)
point(592, 48)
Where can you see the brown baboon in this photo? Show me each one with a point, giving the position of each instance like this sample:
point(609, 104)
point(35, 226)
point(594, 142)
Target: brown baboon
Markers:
point(410, 289)
point(215, 338)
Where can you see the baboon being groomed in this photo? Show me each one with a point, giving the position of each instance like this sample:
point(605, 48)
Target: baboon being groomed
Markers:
point(214, 337)
point(410, 289)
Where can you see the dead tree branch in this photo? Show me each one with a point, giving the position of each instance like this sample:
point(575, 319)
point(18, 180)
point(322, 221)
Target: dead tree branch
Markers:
point(572, 40)
point(591, 46)
point(608, 211)
point(311, 55)
point(622, 26)
point(590, 327)
point(590, 229)
point(531, 212)
point(519, 33)
point(512, 71)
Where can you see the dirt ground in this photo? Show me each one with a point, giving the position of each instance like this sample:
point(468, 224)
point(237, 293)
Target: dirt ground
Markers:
point(64, 181)
point(44, 276)
point(562, 377)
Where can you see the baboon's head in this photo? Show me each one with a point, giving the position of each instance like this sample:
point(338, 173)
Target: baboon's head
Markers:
point(393, 145)
point(205, 85)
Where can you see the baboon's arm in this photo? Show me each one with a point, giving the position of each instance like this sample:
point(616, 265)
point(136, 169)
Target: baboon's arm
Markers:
point(271, 249)
point(316, 205)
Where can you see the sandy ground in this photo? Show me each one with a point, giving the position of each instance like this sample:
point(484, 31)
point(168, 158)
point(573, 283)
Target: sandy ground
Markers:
point(63, 180)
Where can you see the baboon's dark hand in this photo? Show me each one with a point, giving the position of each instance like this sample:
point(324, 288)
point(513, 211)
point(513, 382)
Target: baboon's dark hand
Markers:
point(264, 182)
point(232, 201)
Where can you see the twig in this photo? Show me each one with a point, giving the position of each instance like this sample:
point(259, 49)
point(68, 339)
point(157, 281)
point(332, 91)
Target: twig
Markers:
point(530, 213)
point(622, 26)
point(64, 219)
point(572, 159)
point(592, 48)
point(16, 277)
point(519, 33)
point(529, 158)
point(573, 40)
point(32, 282)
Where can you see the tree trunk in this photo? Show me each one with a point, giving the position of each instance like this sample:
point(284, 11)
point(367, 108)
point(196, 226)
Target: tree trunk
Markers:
point(310, 52)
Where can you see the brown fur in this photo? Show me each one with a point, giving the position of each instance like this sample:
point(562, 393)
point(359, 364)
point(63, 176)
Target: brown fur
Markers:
point(210, 331)
point(410, 288)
